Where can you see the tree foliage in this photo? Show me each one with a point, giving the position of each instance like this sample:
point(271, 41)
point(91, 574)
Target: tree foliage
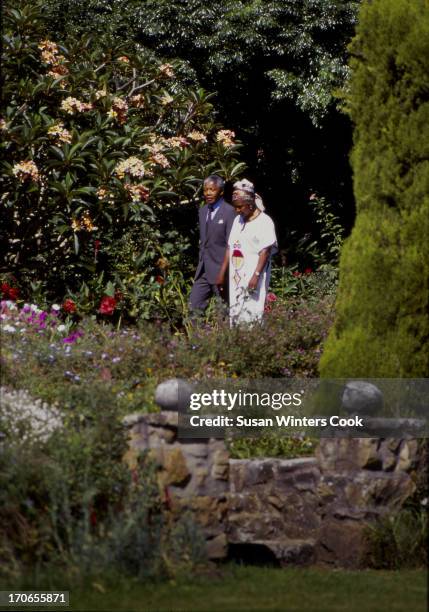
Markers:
point(274, 64)
point(382, 326)
point(104, 153)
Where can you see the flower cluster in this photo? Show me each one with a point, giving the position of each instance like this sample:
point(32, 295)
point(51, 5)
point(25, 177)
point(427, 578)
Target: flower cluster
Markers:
point(50, 55)
point(107, 305)
point(73, 105)
point(85, 224)
point(119, 110)
point(226, 138)
point(100, 93)
point(158, 159)
point(8, 292)
point(196, 136)
point(166, 70)
point(62, 135)
point(177, 142)
point(49, 51)
point(26, 170)
point(69, 306)
point(104, 194)
point(132, 166)
point(138, 193)
point(137, 101)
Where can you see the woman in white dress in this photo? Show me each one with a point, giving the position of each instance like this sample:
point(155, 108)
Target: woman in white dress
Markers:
point(251, 243)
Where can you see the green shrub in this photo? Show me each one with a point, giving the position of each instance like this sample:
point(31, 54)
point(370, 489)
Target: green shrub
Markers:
point(399, 541)
point(382, 327)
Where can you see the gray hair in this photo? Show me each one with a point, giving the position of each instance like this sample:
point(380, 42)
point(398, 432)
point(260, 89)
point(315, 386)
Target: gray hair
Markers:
point(216, 179)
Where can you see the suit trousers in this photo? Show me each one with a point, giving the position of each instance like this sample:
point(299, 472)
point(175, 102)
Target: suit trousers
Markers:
point(202, 291)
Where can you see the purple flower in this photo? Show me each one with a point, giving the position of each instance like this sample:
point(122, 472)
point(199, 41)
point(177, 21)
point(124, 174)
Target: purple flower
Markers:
point(73, 337)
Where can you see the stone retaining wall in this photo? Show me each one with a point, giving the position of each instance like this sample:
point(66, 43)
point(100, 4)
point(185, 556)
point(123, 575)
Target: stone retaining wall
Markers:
point(306, 510)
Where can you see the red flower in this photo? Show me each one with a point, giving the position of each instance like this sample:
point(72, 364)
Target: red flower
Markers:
point(13, 293)
point(5, 288)
point(107, 305)
point(9, 292)
point(308, 271)
point(69, 306)
point(271, 297)
point(296, 273)
point(160, 280)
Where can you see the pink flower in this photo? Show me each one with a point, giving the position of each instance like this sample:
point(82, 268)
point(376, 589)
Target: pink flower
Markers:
point(308, 271)
point(296, 274)
point(271, 297)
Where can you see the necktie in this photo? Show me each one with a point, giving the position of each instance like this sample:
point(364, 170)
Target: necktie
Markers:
point(209, 217)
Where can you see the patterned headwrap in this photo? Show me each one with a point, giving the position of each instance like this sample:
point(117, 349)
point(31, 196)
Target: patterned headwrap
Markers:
point(245, 190)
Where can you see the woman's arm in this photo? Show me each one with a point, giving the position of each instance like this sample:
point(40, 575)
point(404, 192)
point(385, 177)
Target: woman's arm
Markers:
point(264, 255)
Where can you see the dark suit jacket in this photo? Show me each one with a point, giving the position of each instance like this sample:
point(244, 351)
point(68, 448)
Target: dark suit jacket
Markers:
point(214, 243)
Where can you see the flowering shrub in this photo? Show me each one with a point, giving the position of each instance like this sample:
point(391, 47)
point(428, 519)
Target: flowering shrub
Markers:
point(104, 152)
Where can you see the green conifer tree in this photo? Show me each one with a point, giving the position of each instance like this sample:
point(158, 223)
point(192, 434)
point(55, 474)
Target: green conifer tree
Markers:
point(382, 318)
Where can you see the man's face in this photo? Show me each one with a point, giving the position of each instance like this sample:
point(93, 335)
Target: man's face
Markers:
point(211, 192)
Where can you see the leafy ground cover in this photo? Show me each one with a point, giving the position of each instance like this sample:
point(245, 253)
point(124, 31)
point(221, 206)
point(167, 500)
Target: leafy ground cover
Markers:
point(254, 588)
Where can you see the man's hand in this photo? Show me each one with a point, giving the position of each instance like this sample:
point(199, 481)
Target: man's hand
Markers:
point(253, 283)
point(220, 282)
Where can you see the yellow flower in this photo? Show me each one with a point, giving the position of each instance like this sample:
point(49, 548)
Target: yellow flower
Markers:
point(166, 99)
point(75, 225)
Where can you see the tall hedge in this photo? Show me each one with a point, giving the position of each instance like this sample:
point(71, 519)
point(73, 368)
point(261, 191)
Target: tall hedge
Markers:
point(381, 327)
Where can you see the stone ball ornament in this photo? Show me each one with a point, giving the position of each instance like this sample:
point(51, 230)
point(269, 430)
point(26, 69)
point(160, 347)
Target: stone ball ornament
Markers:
point(173, 394)
point(362, 398)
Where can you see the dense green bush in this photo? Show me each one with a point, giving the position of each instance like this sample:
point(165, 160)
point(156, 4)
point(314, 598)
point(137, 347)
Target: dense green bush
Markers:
point(104, 149)
point(382, 325)
point(68, 503)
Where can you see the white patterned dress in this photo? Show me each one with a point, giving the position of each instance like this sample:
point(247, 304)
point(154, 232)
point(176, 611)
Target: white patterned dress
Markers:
point(246, 241)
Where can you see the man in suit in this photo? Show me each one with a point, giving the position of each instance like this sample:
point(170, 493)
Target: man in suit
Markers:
point(215, 219)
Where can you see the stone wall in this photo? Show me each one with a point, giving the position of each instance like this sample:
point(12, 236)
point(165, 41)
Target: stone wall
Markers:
point(306, 510)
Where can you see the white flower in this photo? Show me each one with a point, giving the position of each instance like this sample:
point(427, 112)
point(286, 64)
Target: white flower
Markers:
point(61, 328)
point(9, 328)
point(55, 307)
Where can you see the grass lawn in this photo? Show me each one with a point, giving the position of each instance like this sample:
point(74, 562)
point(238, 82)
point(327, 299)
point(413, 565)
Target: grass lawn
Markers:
point(250, 588)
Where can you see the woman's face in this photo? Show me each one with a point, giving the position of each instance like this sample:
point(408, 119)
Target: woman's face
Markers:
point(243, 207)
